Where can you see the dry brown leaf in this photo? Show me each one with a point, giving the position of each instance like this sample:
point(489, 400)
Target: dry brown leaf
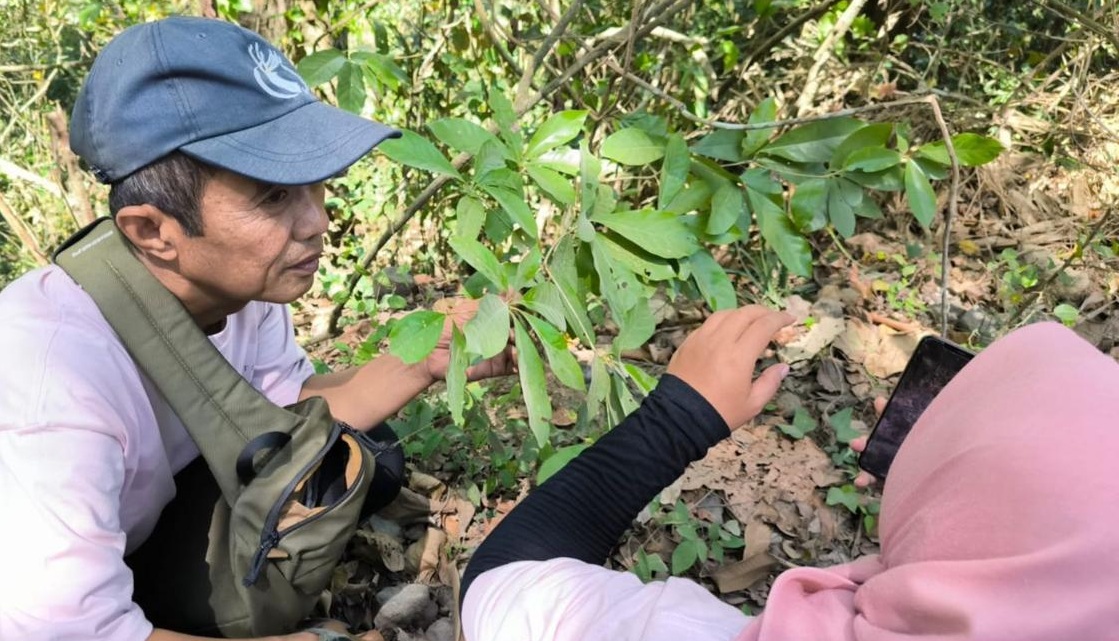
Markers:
point(880, 349)
point(820, 335)
point(741, 575)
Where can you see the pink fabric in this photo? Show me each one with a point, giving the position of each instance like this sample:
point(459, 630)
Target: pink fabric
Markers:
point(1000, 518)
point(88, 449)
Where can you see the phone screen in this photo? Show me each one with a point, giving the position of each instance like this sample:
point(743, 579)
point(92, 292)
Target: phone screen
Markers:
point(933, 364)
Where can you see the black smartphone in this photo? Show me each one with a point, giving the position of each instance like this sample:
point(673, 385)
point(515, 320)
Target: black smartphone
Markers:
point(933, 364)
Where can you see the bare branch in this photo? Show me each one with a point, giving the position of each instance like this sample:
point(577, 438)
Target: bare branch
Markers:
point(823, 54)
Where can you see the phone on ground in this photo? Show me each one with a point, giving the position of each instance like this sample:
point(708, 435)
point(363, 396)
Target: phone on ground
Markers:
point(933, 364)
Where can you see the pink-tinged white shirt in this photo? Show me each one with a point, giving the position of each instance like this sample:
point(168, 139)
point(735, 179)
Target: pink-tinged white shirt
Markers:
point(88, 451)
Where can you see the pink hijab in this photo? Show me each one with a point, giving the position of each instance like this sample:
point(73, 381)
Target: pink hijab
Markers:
point(1000, 518)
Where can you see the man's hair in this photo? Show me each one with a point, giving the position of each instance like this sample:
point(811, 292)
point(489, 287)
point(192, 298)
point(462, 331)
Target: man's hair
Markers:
point(174, 184)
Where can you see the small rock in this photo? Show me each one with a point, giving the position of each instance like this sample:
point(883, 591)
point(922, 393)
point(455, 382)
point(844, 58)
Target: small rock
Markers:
point(391, 528)
point(1073, 286)
point(445, 598)
point(411, 608)
point(442, 630)
point(386, 595)
point(973, 320)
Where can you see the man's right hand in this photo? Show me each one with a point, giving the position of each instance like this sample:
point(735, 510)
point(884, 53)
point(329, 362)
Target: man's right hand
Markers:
point(718, 361)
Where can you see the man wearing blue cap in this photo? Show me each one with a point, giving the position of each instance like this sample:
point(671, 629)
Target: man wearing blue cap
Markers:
point(215, 151)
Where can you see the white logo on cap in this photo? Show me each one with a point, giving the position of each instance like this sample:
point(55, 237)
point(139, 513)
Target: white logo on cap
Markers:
point(274, 75)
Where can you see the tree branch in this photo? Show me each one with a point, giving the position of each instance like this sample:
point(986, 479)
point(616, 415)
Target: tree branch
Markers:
point(12, 170)
point(22, 231)
point(823, 54)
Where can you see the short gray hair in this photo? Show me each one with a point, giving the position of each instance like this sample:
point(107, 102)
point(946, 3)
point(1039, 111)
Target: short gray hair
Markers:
point(173, 184)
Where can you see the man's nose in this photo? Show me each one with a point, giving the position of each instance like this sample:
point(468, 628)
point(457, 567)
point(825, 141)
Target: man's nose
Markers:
point(313, 220)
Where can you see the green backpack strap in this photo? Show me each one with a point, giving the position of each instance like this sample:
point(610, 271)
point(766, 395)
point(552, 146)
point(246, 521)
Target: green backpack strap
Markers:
point(229, 419)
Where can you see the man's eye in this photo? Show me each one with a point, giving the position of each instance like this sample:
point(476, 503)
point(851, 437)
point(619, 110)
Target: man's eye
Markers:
point(275, 196)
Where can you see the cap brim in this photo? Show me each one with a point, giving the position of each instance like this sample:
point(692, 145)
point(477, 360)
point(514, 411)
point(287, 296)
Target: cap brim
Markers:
point(307, 145)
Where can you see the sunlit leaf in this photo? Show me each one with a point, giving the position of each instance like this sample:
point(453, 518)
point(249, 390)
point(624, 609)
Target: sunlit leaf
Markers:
point(544, 299)
point(414, 337)
point(632, 147)
point(463, 135)
point(480, 258)
point(351, 93)
point(553, 183)
point(534, 385)
point(561, 360)
point(487, 333)
point(972, 150)
point(557, 130)
point(814, 142)
point(321, 66)
point(469, 217)
point(618, 285)
point(661, 233)
point(637, 260)
point(875, 135)
point(514, 204)
point(416, 151)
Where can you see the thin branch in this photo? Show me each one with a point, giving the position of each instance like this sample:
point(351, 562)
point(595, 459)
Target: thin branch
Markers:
point(39, 93)
point(12, 170)
point(26, 238)
point(487, 26)
point(950, 215)
point(823, 54)
point(546, 46)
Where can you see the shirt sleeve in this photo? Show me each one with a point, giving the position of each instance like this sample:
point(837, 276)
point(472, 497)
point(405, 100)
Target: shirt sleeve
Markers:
point(569, 600)
point(582, 511)
point(61, 546)
point(281, 366)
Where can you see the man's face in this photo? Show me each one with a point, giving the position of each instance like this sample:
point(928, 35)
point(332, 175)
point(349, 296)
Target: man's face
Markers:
point(259, 242)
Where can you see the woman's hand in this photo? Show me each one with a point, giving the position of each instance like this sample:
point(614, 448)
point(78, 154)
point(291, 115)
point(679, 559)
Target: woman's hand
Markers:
point(458, 311)
point(718, 361)
point(866, 479)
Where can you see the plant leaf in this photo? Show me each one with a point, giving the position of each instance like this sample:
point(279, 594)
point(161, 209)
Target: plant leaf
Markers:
point(841, 210)
point(533, 385)
point(661, 233)
point(778, 231)
point(803, 423)
point(841, 423)
point(544, 299)
point(870, 159)
point(674, 170)
point(631, 146)
point(846, 496)
point(553, 183)
point(919, 192)
point(351, 90)
point(618, 285)
point(870, 136)
point(559, 129)
point(416, 151)
point(470, 215)
point(972, 150)
point(766, 111)
point(456, 375)
point(462, 135)
point(636, 327)
point(561, 360)
point(809, 205)
point(415, 336)
point(481, 259)
point(712, 281)
point(727, 205)
point(487, 332)
point(514, 204)
point(721, 144)
point(558, 460)
point(321, 66)
point(566, 277)
point(814, 142)
point(684, 556)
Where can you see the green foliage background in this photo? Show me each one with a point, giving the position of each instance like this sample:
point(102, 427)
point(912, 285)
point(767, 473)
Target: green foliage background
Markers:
point(566, 161)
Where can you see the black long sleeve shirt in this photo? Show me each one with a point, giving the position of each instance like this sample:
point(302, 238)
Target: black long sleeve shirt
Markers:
point(583, 510)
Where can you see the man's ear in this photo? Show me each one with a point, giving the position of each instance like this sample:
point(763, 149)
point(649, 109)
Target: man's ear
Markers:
point(150, 231)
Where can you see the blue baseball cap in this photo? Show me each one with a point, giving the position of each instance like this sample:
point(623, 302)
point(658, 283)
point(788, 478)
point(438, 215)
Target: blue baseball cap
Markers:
point(218, 93)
